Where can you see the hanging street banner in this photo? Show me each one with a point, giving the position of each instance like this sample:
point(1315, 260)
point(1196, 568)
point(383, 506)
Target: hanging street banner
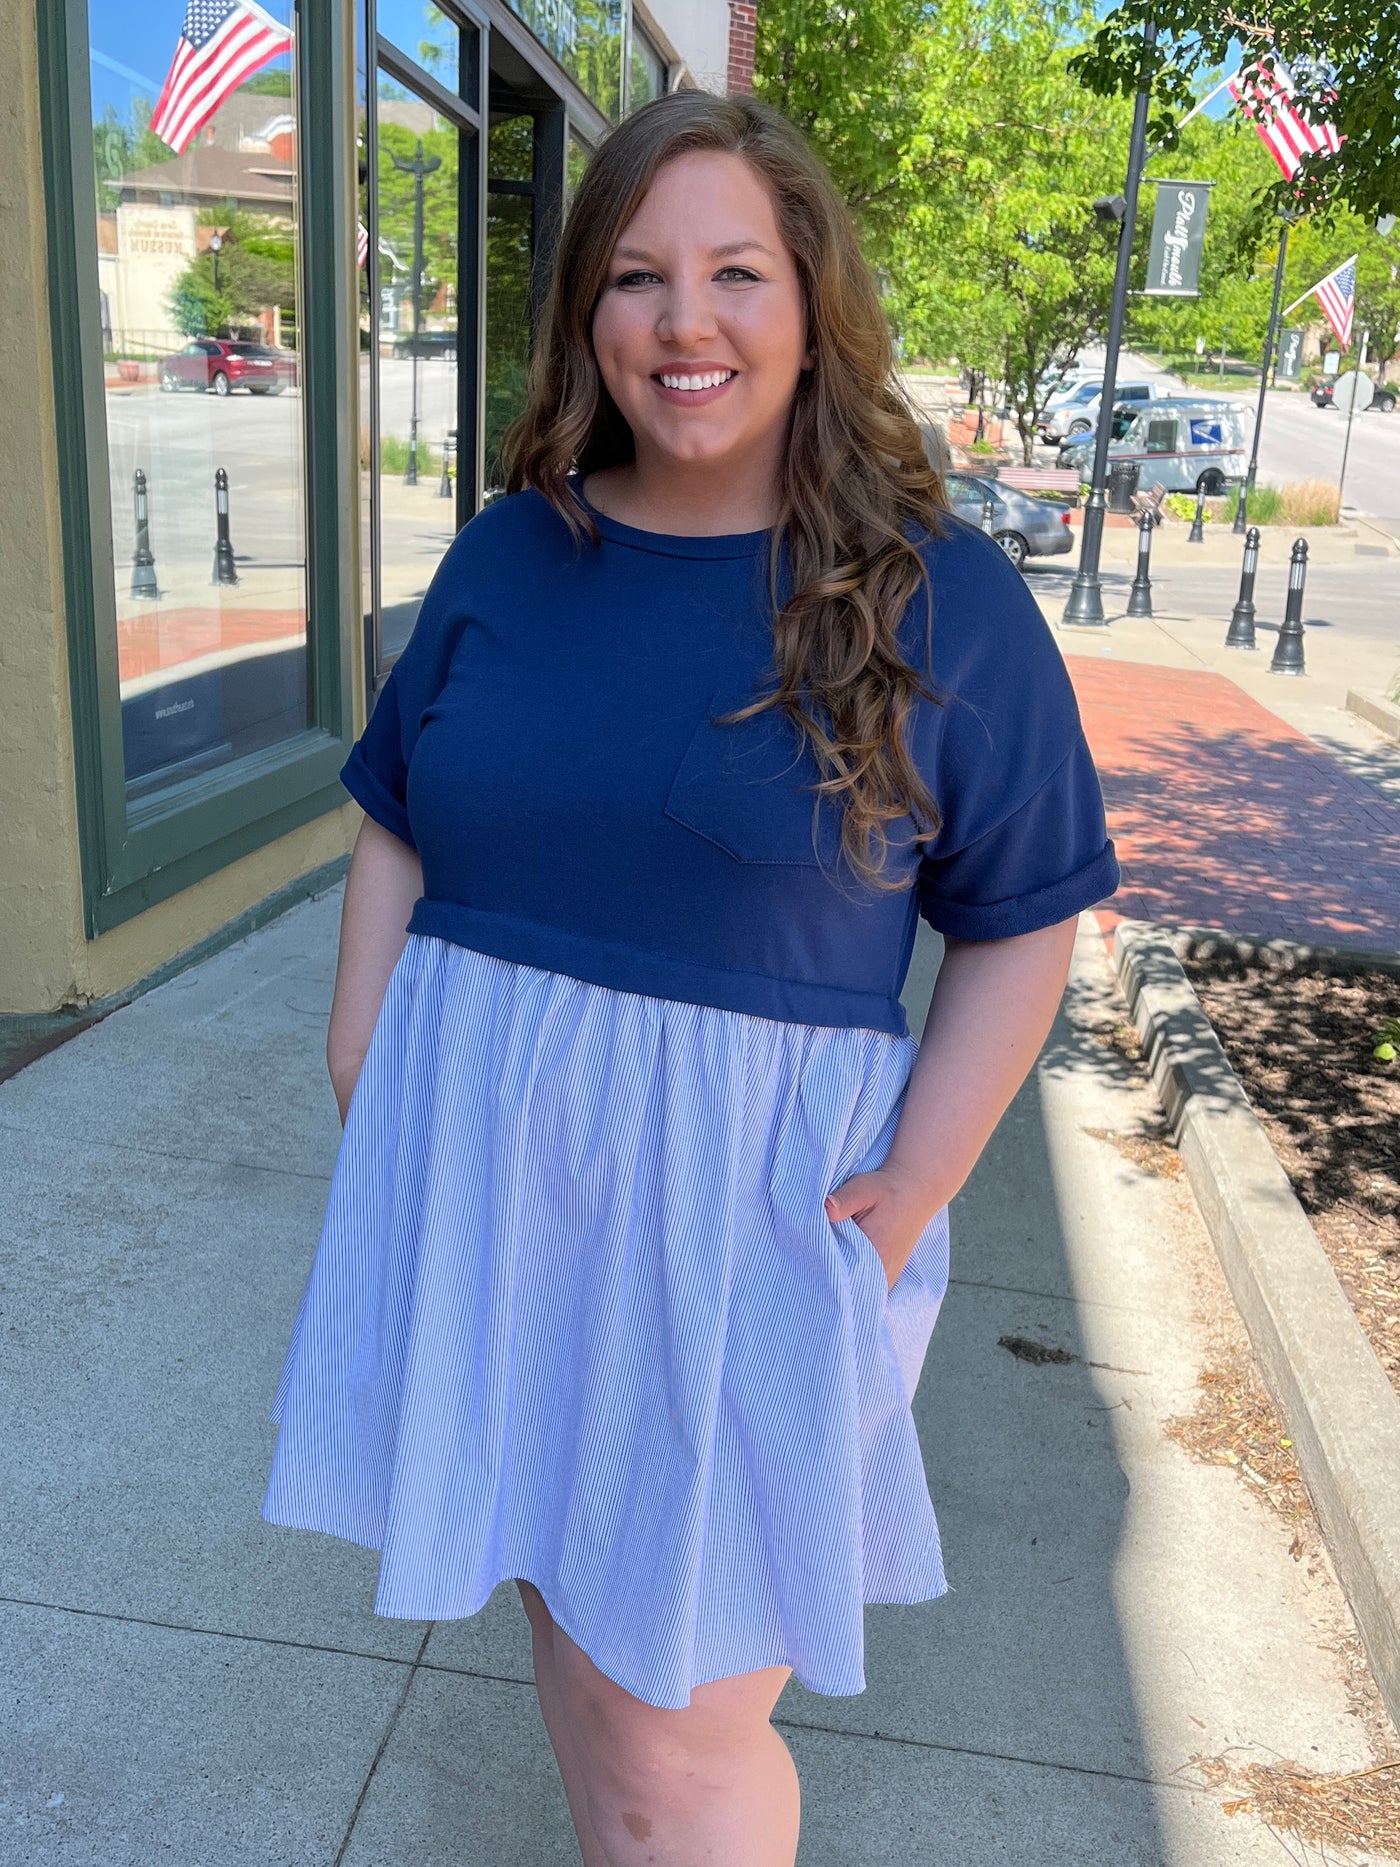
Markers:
point(1290, 355)
point(1178, 234)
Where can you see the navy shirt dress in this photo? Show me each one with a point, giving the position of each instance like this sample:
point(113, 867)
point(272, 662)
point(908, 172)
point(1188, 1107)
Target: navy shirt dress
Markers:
point(577, 1315)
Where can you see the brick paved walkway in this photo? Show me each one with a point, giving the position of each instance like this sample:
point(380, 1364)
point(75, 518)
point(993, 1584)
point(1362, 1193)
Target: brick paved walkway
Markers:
point(1226, 817)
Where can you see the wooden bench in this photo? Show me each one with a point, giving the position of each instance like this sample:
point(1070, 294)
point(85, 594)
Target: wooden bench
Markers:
point(1041, 480)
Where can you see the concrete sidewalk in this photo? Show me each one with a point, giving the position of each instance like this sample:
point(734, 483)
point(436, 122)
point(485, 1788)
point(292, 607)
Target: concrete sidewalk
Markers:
point(190, 1684)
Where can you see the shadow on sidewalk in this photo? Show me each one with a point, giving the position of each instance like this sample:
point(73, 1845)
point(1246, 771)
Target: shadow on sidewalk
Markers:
point(999, 1723)
point(1225, 817)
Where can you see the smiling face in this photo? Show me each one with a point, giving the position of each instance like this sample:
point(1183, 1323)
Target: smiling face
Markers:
point(700, 332)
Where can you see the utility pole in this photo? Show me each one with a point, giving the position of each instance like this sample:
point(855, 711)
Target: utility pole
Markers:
point(420, 166)
point(1085, 605)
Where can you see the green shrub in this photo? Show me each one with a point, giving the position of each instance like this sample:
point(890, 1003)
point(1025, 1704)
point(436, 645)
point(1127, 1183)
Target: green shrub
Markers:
point(393, 457)
point(1263, 508)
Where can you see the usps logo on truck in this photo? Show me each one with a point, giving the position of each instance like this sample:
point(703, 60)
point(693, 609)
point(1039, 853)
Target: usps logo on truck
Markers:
point(1205, 433)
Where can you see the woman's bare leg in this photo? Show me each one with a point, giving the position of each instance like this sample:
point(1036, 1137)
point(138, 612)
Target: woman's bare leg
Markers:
point(710, 1786)
point(542, 1636)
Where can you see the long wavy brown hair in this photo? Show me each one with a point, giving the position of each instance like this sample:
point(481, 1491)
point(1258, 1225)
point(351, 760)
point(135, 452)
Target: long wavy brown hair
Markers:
point(857, 490)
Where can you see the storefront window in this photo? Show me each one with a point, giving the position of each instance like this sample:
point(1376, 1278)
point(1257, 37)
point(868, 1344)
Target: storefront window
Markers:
point(416, 351)
point(648, 68)
point(425, 33)
point(576, 164)
point(509, 246)
point(586, 38)
point(198, 270)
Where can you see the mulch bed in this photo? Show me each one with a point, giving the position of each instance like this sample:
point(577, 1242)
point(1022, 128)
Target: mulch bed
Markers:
point(1301, 1042)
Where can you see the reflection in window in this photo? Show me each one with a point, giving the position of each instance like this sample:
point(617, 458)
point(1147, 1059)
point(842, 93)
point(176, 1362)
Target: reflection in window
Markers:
point(576, 163)
point(425, 33)
point(367, 272)
point(509, 243)
point(648, 68)
point(416, 344)
point(198, 271)
point(586, 38)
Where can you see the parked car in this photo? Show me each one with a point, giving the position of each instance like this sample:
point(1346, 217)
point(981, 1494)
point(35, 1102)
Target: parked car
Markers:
point(427, 344)
point(1079, 412)
point(219, 365)
point(1382, 396)
point(1022, 526)
point(1063, 383)
point(1183, 443)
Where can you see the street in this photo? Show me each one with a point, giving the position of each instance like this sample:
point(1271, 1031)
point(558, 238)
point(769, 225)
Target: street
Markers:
point(179, 441)
point(1301, 442)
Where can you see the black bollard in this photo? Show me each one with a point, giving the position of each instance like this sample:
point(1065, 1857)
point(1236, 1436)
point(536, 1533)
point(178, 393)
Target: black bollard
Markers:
point(445, 483)
point(1288, 650)
point(1140, 596)
point(224, 571)
point(143, 564)
point(1197, 534)
point(988, 515)
point(1241, 634)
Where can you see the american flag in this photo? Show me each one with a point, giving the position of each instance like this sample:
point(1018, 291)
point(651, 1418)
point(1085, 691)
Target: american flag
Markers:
point(361, 243)
point(221, 43)
point(1266, 98)
point(1337, 296)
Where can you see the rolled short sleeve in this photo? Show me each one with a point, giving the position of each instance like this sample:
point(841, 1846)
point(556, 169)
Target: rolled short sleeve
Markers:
point(376, 772)
point(1023, 842)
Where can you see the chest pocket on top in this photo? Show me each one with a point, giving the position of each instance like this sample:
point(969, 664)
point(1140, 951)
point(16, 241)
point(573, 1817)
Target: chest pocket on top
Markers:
point(746, 788)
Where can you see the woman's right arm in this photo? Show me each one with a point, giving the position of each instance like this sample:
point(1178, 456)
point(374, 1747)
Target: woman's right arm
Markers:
point(385, 880)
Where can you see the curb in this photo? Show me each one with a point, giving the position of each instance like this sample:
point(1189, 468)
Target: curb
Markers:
point(1341, 1411)
point(1376, 710)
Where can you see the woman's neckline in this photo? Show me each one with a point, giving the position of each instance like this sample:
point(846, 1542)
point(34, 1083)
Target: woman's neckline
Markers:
point(672, 544)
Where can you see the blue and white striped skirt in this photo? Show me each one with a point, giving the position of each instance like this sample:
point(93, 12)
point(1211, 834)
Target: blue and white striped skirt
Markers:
point(578, 1316)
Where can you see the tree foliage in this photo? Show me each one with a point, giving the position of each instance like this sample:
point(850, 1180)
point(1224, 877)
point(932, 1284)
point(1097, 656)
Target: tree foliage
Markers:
point(971, 161)
point(256, 268)
point(1343, 56)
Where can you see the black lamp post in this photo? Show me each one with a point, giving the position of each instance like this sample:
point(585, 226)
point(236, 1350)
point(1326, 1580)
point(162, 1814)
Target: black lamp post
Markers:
point(1085, 603)
point(420, 166)
point(216, 245)
point(1242, 505)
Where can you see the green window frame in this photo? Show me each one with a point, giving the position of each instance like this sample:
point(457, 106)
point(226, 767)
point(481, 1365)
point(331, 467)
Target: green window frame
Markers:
point(135, 855)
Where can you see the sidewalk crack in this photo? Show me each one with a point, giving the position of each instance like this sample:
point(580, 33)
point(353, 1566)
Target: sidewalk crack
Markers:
point(989, 1756)
point(383, 1744)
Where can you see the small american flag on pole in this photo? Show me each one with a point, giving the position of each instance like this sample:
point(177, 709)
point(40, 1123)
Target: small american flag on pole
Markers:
point(1266, 98)
point(1337, 296)
point(221, 43)
point(361, 243)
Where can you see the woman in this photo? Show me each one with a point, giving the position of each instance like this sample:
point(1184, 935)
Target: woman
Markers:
point(638, 1229)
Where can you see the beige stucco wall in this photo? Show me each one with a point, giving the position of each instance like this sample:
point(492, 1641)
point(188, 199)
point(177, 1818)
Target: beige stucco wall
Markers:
point(45, 960)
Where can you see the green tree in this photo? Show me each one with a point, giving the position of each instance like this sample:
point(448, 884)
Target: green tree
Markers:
point(971, 161)
point(1343, 56)
point(256, 269)
point(396, 208)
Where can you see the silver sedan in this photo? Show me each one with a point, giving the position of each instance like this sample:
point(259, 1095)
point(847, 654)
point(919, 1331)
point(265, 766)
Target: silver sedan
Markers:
point(1022, 526)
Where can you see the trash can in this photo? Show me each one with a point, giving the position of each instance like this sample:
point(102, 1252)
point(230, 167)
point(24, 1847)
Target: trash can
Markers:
point(1122, 484)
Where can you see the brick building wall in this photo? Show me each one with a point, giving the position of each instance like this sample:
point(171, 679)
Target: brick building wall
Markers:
point(743, 20)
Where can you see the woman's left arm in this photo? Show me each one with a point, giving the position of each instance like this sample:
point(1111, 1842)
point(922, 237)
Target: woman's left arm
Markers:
point(992, 1009)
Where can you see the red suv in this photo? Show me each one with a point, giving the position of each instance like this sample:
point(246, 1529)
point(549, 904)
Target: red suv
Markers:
point(221, 365)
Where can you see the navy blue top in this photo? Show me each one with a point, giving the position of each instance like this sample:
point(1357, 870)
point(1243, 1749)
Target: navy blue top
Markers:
point(546, 743)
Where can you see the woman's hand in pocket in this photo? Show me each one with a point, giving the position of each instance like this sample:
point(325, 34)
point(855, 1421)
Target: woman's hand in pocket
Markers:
point(891, 1207)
